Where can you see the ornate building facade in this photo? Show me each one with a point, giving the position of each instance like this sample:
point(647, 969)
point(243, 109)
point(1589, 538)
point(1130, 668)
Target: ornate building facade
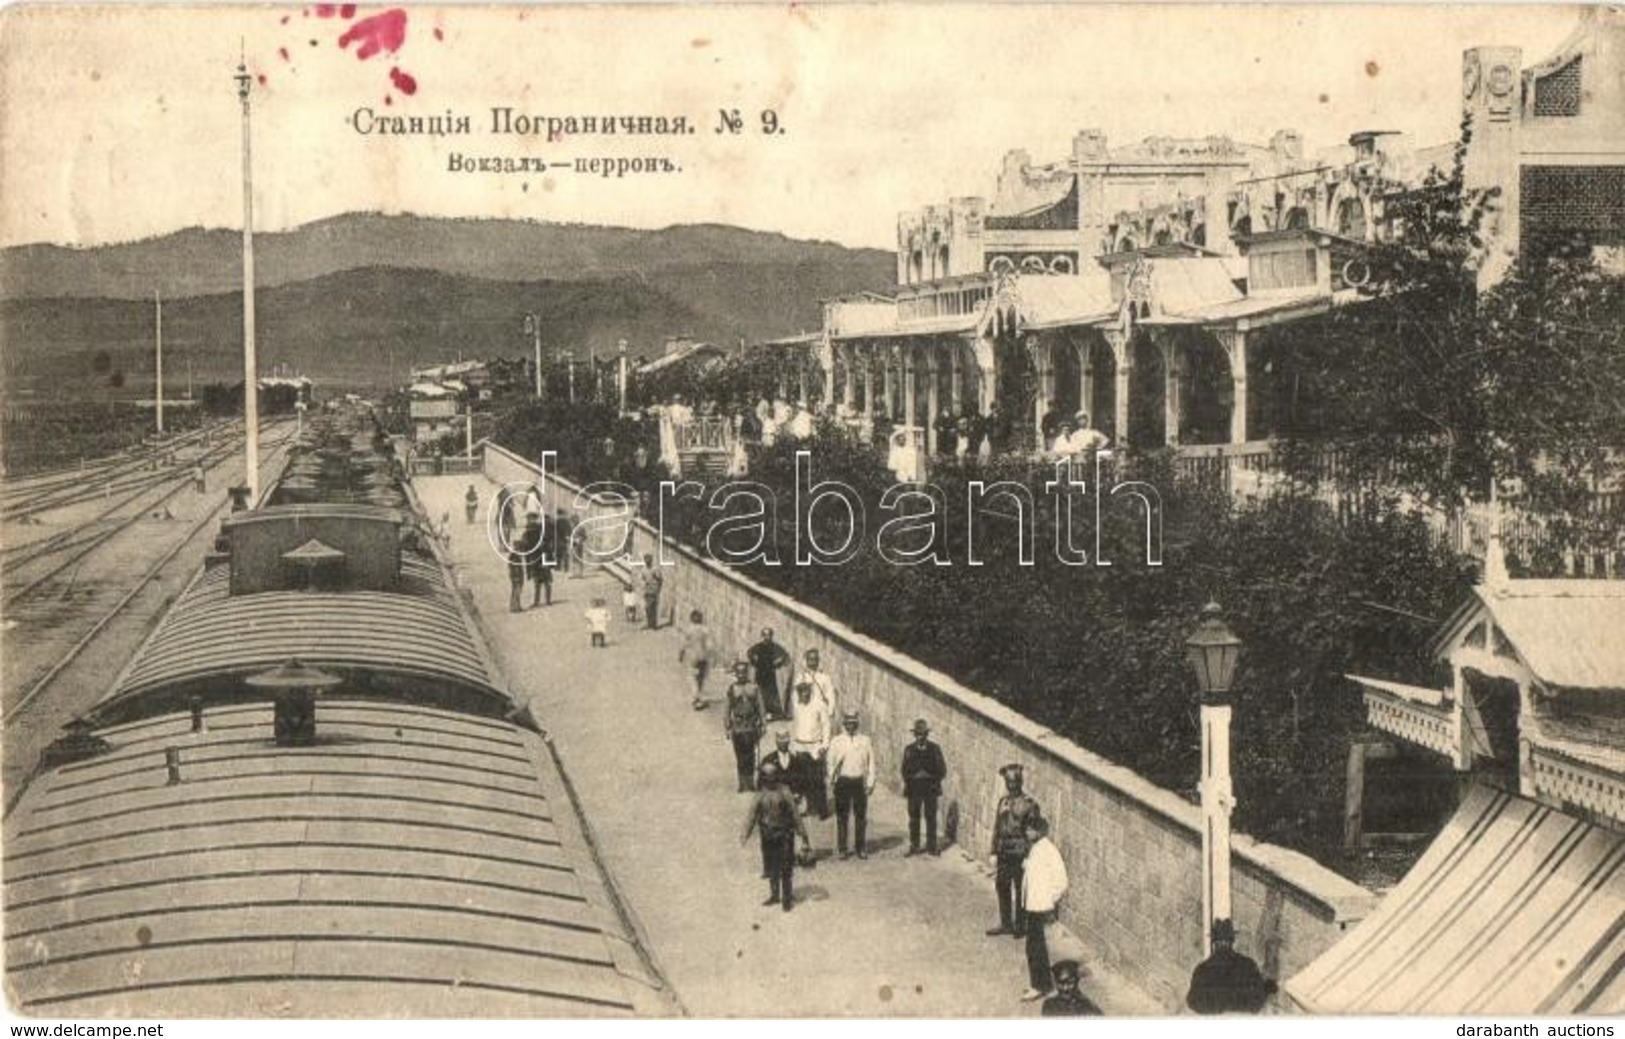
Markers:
point(1119, 279)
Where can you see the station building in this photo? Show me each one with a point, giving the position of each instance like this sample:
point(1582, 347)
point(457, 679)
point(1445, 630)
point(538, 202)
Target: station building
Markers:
point(1123, 278)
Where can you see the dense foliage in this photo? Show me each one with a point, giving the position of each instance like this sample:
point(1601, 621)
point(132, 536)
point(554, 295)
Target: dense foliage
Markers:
point(1097, 652)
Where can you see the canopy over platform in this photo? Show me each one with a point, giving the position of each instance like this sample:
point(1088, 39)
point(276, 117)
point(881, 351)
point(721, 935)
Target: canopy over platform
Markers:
point(1515, 909)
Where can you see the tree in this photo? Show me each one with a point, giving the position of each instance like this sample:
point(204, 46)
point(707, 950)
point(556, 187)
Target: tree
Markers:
point(1429, 389)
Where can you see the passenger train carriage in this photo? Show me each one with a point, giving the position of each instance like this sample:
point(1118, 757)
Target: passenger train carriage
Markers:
point(308, 795)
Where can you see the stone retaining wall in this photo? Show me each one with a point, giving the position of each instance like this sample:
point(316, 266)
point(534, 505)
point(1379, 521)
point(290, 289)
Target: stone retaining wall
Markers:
point(1133, 850)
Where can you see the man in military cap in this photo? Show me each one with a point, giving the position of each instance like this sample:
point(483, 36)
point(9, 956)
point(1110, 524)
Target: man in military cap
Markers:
point(1068, 1001)
point(1009, 850)
point(742, 723)
point(923, 773)
point(774, 817)
point(1228, 982)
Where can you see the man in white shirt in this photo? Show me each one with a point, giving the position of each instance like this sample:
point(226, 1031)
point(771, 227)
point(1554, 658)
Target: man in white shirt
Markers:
point(823, 685)
point(1043, 884)
point(809, 742)
point(852, 769)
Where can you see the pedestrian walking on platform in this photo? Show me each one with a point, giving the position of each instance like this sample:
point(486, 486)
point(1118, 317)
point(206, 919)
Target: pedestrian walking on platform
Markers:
point(823, 685)
point(696, 652)
point(652, 582)
point(1009, 850)
point(774, 817)
point(742, 724)
point(852, 769)
point(1043, 883)
point(518, 557)
point(923, 772)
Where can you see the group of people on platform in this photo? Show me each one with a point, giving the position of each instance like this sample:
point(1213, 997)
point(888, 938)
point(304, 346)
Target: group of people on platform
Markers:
point(811, 759)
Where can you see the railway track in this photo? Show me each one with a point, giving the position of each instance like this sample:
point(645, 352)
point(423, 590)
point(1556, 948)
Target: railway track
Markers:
point(28, 498)
point(63, 599)
point(30, 565)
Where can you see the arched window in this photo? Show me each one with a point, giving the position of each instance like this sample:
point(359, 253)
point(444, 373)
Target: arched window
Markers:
point(1001, 265)
point(1297, 219)
point(942, 262)
point(1199, 234)
point(1032, 265)
point(1244, 226)
point(1163, 237)
point(1127, 244)
point(916, 266)
point(1351, 218)
point(1061, 265)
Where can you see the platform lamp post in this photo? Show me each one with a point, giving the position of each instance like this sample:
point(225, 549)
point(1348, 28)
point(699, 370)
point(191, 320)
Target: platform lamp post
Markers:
point(570, 359)
point(533, 328)
point(1212, 651)
point(620, 373)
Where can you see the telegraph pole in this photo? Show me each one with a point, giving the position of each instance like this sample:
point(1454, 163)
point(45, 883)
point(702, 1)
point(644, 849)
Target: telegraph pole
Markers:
point(251, 403)
point(158, 375)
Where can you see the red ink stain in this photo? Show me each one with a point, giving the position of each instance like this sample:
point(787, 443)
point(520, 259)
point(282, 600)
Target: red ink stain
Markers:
point(438, 34)
point(305, 13)
point(326, 10)
point(347, 11)
point(403, 82)
point(285, 19)
point(381, 32)
point(388, 100)
point(262, 79)
point(283, 51)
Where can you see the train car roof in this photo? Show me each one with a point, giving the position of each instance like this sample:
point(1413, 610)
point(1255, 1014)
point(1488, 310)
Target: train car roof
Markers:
point(410, 863)
point(414, 642)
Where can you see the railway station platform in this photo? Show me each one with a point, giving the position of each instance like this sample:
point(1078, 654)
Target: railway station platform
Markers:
point(886, 937)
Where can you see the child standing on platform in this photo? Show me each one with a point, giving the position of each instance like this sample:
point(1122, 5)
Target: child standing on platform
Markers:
point(598, 623)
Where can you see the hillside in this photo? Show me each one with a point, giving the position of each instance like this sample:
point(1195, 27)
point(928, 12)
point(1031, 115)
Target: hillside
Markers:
point(362, 327)
point(197, 262)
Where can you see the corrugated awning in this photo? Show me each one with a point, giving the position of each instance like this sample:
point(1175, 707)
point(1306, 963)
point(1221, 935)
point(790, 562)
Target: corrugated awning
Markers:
point(1516, 909)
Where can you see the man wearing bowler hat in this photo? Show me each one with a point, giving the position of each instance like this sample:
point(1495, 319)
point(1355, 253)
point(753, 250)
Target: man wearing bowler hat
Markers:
point(923, 773)
point(1009, 850)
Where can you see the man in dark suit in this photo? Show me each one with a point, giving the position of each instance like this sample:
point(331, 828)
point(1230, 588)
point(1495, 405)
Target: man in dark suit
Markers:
point(1228, 982)
point(923, 772)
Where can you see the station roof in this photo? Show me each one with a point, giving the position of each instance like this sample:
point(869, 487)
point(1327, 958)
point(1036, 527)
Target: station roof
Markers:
point(1514, 909)
point(409, 863)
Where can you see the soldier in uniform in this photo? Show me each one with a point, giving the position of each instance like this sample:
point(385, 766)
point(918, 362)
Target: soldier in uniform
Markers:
point(774, 817)
point(1009, 850)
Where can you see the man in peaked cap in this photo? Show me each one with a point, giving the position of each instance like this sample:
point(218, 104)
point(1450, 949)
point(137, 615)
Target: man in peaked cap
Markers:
point(1068, 1000)
point(923, 772)
point(1009, 850)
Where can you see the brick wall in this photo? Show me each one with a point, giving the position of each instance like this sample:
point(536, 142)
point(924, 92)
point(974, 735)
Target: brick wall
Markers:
point(1133, 850)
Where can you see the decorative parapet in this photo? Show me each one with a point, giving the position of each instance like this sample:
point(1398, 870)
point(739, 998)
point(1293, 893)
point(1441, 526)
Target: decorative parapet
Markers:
point(1571, 782)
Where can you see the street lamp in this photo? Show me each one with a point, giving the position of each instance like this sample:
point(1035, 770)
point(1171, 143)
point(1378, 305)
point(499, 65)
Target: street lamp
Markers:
point(570, 359)
point(620, 374)
point(533, 328)
point(1212, 651)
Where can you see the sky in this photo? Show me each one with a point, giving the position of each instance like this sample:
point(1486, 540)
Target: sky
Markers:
point(119, 123)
